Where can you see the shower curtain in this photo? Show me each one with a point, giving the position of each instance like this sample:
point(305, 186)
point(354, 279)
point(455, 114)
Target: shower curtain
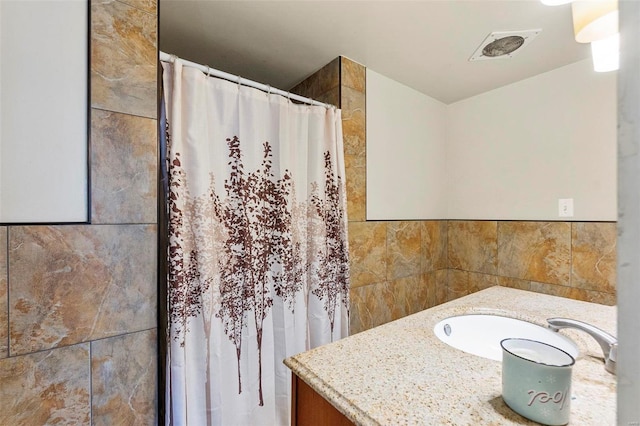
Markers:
point(258, 259)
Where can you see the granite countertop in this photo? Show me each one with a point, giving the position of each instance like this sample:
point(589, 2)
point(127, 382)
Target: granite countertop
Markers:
point(401, 373)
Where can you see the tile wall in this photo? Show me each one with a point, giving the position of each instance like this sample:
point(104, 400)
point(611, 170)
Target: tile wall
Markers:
point(78, 302)
point(569, 259)
point(401, 267)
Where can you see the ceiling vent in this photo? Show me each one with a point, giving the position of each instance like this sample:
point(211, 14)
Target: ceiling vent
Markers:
point(503, 44)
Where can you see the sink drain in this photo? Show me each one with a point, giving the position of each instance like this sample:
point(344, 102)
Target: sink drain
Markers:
point(447, 329)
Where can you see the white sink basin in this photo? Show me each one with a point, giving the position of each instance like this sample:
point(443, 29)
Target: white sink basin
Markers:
point(480, 334)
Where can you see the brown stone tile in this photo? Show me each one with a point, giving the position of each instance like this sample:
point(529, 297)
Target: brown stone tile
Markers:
point(427, 293)
point(404, 249)
point(472, 246)
point(123, 389)
point(442, 285)
point(331, 97)
point(4, 302)
point(322, 81)
point(514, 283)
point(599, 297)
point(124, 163)
point(535, 251)
point(556, 290)
point(123, 58)
point(479, 282)
point(360, 318)
point(574, 293)
point(371, 306)
point(356, 187)
point(411, 293)
point(382, 300)
point(367, 252)
point(434, 245)
point(593, 256)
point(353, 74)
point(50, 387)
point(458, 284)
point(354, 131)
point(397, 297)
point(74, 283)
point(149, 6)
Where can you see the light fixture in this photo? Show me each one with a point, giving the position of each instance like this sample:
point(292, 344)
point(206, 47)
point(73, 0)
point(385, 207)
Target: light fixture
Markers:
point(594, 19)
point(596, 22)
point(606, 53)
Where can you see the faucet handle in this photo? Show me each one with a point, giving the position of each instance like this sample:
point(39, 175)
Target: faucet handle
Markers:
point(613, 353)
point(610, 361)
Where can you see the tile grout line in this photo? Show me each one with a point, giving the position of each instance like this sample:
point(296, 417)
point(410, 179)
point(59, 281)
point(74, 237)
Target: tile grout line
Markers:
point(128, 333)
point(8, 304)
point(129, 114)
point(91, 422)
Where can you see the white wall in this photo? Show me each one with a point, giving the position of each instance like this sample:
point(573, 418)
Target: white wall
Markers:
point(43, 111)
point(507, 154)
point(514, 151)
point(406, 152)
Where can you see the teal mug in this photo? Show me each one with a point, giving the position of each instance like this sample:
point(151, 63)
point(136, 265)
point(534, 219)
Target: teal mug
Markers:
point(536, 380)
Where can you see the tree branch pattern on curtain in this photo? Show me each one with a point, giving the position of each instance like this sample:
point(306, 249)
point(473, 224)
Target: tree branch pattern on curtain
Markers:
point(255, 230)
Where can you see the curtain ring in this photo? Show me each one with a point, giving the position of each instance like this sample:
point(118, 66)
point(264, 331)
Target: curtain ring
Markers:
point(239, 82)
point(268, 89)
point(289, 96)
point(208, 71)
point(174, 58)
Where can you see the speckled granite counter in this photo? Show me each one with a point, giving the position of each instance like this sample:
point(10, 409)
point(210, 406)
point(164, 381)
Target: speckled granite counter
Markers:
point(401, 373)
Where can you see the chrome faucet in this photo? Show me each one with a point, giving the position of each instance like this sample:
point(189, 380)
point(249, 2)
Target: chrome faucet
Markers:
point(607, 342)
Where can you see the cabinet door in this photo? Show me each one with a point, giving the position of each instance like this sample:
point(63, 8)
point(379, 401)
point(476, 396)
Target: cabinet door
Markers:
point(310, 409)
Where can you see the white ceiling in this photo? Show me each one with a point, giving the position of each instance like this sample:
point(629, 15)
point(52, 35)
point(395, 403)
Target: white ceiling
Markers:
point(423, 44)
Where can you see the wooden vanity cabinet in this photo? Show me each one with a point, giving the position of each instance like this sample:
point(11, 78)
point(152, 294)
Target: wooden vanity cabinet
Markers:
point(308, 408)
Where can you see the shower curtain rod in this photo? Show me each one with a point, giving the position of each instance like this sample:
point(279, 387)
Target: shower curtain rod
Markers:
point(165, 57)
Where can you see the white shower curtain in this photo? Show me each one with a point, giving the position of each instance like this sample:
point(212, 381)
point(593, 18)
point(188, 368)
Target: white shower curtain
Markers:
point(257, 246)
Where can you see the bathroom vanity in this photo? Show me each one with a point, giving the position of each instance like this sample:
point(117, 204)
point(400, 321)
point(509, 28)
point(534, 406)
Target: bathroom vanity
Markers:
point(401, 373)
